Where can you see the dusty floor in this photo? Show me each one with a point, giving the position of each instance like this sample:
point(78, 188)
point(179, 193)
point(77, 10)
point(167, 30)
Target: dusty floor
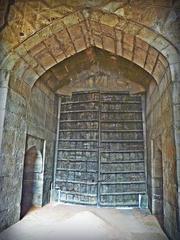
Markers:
point(67, 222)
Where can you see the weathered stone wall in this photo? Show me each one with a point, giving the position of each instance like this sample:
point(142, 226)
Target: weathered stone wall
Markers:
point(4, 80)
point(176, 117)
point(12, 154)
point(41, 123)
point(160, 138)
point(36, 116)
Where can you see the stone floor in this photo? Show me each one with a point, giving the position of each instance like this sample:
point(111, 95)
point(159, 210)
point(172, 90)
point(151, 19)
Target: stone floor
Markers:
point(67, 222)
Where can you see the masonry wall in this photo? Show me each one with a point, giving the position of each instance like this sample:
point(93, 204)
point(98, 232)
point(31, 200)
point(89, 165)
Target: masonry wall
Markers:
point(34, 115)
point(42, 121)
point(12, 154)
point(160, 138)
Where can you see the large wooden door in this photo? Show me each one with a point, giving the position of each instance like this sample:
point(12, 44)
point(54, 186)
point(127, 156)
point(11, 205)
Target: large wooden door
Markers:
point(121, 171)
point(100, 153)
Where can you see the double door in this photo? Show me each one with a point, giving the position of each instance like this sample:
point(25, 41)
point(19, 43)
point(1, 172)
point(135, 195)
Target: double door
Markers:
point(100, 149)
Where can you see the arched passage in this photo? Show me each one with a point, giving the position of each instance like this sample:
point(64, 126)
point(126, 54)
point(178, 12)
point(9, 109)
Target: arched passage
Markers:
point(157, 179)
point(83, 29)
point(33, 175)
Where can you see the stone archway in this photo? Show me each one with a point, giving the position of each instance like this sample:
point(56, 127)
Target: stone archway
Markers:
point(28, 178)
point(157, 180)
point(31, 57)
point(33, 174)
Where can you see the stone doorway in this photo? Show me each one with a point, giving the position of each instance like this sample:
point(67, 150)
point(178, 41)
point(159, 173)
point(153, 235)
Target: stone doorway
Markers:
point(32, 186)
point(160, 212)
point(157, 181)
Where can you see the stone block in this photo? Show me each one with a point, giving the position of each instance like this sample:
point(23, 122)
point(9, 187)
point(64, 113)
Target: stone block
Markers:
point(121, 25)
point(176, 92)
point(70, 50)
point(30, 61)
point(9, 216)
point(44, 33)
point(56, 27)
point(98, 41)
point(96, 28)
point(119, 48)
point(84, 27)
point(3, 97)
point(159, 43)
point(50, 122)
point(127, 54)
point(159, 71)
point(80, 44)
point(113, 6)
point(9, 62)
point(15, 85)
point(3, 52)
point(37, 49)
point(175, 71)
point(45, 59)
point(2, 116)
point(176, 109)
point(107, 31)
point(163, 3)
point(60, 57)
point(118, 35)
point(163, 84)
point(151, 59)
point(141, 44)
point(13, 148)
point(108, 44)
point(147, 35)
point(18, 70)
point(169, 219)
point(72, 19)
point(4, 77)
point(139, 56)
point(178, 164)
point(132, 28)
point(66, 43)
point(75, 32)
point(25, 90)
point(31, 42)
point(39, 69)
point(163, 60)
point(128, 42)
point(21, 50)
point(30, 77)
point(171, 54)
point(86, 33)
point(96, 15)
point(16, 104)
point(54, 46)
point(110, 20)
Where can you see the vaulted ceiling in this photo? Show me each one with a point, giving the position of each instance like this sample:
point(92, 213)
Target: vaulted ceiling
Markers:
point(41, 34)
point(96, 69)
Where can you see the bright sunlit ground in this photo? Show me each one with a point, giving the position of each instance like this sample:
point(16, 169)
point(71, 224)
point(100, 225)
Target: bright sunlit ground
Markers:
point(67, 222)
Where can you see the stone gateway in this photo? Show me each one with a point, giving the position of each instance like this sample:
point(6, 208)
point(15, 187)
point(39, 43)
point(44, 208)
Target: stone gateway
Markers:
point(90, 107)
